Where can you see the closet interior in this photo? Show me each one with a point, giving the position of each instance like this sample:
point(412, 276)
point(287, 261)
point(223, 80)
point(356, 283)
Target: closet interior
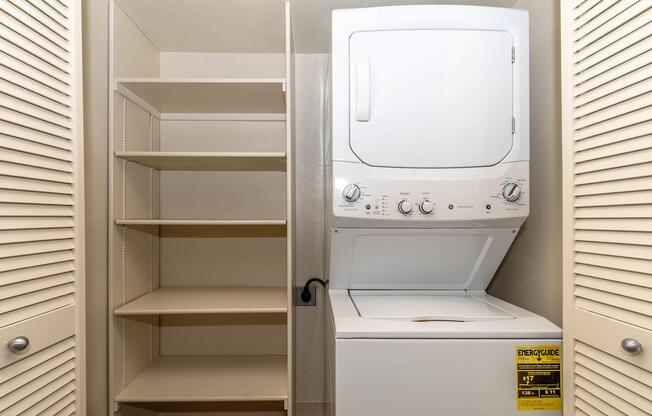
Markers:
point(201, 207)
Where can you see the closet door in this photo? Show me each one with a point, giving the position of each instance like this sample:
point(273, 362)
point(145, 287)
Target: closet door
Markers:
point(41, 209)
point(607, 156)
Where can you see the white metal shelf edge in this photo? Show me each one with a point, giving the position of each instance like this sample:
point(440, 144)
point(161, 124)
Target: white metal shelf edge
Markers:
point(205, 95)
point(151, 80)
point(128, 154)
point(198, 222)
point(207, 300)
point(209, 379)
point(223, 117)
point(207, 161)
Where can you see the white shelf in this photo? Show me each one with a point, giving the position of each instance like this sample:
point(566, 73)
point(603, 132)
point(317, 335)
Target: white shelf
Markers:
point(209, 379)
point(206, 161)
point(206, 95)
point(136, 222)
point(207, 301)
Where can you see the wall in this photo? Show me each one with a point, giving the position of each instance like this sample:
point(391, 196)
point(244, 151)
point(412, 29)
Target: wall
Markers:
point(530, 275)
point(310, 72)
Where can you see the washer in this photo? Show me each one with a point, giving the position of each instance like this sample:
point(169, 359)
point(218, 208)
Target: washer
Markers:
point(406, 353)
point(427, 186)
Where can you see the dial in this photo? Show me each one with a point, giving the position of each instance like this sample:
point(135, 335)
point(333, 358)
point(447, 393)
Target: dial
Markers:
point(405, 206)
point(351, 192)
point(511, 192)
point(426, 207)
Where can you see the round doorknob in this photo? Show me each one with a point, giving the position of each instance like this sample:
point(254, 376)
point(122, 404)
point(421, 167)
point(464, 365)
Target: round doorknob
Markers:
point(18, 344)
point(631, 346)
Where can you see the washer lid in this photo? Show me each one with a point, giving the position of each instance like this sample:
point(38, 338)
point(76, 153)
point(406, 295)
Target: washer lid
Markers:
point(425, 306)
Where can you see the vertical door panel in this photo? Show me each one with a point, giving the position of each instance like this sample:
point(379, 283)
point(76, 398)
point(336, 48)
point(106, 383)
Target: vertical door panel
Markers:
point(41, 208)
point(607, 145)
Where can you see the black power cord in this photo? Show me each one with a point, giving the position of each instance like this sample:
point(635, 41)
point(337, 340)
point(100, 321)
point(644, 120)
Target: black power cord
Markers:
point(306, 296)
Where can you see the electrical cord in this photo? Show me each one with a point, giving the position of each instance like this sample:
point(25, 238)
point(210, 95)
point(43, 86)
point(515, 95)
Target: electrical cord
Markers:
point(306, 296)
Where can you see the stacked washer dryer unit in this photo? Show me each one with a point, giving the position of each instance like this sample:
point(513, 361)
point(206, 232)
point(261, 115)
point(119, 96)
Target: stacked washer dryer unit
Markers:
point(427, 186)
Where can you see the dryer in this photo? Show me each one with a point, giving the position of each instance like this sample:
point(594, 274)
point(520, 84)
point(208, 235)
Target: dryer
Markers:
point(427, 186)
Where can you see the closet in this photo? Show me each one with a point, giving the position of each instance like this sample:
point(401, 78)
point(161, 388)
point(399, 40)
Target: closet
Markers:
point(200, 223)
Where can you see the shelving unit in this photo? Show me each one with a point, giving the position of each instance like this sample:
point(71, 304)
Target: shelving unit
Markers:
point(201, 210)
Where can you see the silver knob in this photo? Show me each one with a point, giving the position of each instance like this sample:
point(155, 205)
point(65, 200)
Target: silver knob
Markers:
point(351, 192)
point(18, 344)
point(426, 207)
point(405, 206)
point(631, 346)
point(512, 192)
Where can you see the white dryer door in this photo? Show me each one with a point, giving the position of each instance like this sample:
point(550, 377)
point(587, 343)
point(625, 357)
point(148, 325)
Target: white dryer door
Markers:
point(431, 98)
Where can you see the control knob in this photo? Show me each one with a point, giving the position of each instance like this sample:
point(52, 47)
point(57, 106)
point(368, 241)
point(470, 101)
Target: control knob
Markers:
point(351, 192)
point(405, 206)
point(511, 192)
point(426, 207)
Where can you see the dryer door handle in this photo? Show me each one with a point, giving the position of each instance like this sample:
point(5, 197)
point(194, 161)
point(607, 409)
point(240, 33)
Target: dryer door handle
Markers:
point(362, 88)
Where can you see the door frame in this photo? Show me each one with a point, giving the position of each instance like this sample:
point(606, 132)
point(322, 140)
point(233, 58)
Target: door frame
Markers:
point(568, 233)
point(79, 213)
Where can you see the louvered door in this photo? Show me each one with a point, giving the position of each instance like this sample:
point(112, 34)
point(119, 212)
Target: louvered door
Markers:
point(607, 153)
point(41, 208)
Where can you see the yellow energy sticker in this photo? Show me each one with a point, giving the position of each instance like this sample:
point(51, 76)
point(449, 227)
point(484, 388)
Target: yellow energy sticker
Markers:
point(538, 377)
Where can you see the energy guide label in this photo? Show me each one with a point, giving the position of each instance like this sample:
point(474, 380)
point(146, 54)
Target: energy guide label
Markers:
point(538, 377)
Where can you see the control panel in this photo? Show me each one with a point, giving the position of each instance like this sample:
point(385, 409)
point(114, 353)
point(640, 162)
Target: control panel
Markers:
point(500, 191)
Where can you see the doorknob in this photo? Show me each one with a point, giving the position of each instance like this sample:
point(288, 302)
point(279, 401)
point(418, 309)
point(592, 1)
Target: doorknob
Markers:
point(631, 346)
point(18, 344)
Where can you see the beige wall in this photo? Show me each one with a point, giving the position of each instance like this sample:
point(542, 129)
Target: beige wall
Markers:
point(310, 71)
point(530, 275)
point(96, 67)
